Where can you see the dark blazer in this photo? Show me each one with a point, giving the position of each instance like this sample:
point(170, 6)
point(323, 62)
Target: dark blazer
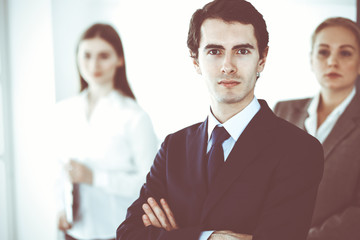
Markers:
point(337, 210)
point(266, 188)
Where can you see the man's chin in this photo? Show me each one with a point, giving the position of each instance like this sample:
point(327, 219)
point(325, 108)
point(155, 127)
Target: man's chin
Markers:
point(231, 100)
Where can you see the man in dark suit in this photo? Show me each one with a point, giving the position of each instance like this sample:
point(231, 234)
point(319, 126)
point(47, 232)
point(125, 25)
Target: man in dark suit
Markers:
point(243, 173)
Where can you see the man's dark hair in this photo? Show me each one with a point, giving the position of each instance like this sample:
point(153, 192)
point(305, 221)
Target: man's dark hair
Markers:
point(228, 11)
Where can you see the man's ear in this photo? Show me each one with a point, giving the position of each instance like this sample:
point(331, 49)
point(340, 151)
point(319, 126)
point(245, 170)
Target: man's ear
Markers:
point(195, 61)
point(196, 65)
point(262, 61)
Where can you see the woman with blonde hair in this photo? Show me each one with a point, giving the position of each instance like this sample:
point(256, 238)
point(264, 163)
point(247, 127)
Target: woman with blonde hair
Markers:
point(333, 117)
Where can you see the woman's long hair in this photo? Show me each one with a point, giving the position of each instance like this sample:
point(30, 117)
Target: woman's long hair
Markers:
point(109, 34)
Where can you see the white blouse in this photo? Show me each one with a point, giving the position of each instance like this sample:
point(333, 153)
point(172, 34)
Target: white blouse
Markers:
point(118, 144)
point(325, 128)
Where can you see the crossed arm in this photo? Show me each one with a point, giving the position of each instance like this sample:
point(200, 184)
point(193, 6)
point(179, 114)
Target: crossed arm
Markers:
point(285, 212)
point(161, 216)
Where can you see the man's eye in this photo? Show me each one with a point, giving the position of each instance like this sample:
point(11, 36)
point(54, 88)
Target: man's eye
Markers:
point(214, 52)
point(243, 51)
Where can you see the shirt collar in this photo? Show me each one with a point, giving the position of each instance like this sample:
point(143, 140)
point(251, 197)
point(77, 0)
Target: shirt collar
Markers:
point(113, 94)
point(312, 109)
point(341, 108)
point(235, 125)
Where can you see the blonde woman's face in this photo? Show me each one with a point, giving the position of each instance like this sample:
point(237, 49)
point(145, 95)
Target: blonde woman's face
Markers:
point(335, 58)
point(97, 61)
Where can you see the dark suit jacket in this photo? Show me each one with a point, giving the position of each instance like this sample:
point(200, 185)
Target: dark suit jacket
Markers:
point(266, 188)
point(337, 210)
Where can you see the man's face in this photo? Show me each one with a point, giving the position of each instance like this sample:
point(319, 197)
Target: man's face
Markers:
point(228, 61)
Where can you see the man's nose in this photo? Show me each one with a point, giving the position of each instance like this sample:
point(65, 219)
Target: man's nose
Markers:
point(228, 66)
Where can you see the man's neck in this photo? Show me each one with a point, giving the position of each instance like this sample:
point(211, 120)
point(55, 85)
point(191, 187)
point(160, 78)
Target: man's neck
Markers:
point(224, 111)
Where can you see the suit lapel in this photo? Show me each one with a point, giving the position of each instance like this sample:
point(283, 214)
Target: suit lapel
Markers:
point(300, 114)
point(345, 124)
point(196, 145)
point(251, 143)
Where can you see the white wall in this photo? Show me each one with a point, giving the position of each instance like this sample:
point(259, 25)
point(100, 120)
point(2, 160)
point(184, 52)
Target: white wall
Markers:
point(32, 77)
point(6, 195)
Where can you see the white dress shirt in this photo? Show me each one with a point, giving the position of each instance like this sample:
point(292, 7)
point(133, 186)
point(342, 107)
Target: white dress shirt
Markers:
point(235, 127)
point(325, 128)
point(118, 144)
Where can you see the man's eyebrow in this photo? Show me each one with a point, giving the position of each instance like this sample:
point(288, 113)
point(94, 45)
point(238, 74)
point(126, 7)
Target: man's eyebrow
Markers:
point(210, 46)
point(246, 45)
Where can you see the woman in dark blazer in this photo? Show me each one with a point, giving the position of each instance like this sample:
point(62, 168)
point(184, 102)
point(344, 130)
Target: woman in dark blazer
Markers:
point(333, 116)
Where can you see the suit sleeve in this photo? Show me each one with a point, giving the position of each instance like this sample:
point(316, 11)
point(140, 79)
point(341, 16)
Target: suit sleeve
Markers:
point(342, 225)
point(155, 186)
point(290, 201)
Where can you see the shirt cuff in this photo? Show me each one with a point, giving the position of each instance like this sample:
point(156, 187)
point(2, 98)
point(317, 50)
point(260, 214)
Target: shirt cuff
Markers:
point(205, 235)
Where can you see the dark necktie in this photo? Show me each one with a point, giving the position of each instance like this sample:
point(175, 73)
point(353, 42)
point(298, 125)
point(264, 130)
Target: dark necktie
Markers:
point(216, 153)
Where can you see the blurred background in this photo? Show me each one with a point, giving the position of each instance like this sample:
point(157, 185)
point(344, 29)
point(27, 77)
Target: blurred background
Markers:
point(37, 69)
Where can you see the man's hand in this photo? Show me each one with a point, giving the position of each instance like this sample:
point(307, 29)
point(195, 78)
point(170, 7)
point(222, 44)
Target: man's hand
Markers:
point(79, 173)
point(229, 235)
point(161, 217)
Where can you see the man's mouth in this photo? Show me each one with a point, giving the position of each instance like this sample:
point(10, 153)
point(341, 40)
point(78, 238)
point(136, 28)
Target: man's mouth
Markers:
point(228, 83)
